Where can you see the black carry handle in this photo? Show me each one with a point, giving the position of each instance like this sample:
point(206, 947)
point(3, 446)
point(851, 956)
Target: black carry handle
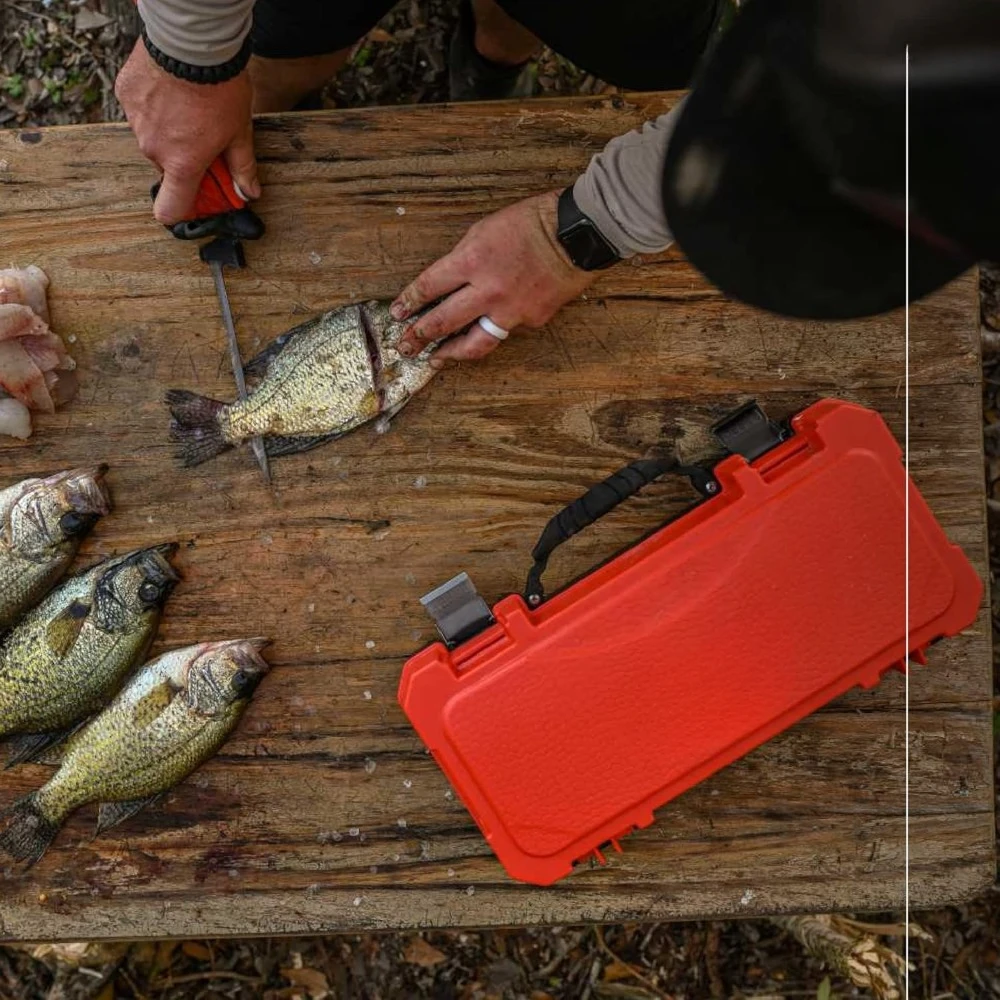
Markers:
point(601, 499)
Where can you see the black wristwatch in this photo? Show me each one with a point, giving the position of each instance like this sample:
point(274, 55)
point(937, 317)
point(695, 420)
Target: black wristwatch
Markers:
point(581, 239)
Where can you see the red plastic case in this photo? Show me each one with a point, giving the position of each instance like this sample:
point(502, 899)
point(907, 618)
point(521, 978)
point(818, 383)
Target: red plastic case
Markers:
point(563, 728)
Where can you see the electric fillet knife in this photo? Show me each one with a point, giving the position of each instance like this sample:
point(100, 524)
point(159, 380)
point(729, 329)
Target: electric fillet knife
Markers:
point(564, 722)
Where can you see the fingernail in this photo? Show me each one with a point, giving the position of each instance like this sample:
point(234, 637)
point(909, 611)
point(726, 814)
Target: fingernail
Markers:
point(437, 364)
point(398, 310)
point(251, 190)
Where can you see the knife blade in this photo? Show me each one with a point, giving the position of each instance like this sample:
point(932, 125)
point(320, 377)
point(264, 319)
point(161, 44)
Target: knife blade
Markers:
point(236, 360)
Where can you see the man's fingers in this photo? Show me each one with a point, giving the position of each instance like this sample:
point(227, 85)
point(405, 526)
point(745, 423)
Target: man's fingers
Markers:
point(477, 343)
point(243, 164)
point(175, 200)
point(456, 312)
point(442, 277)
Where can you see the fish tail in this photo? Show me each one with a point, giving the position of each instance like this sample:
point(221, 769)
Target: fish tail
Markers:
point(195, 426)
point(29, 833)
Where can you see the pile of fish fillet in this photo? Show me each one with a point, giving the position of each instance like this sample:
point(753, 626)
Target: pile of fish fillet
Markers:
point(36, 371)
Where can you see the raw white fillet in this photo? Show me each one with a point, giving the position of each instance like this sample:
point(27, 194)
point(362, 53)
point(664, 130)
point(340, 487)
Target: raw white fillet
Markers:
point(27, 287)
point(31, 356)
point(15, 418)
point(21, 378)
point(17, 320)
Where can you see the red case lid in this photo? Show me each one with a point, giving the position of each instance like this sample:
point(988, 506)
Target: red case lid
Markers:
point(563, 728)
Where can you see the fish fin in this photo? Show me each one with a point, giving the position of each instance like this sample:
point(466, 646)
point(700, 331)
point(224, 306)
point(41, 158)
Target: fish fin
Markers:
point(151, 705)
point(195, 427)
point(37, 748)
point(28, 834)
point(64, 629)
point(277, 445)
point(257, 367)
point(110, 814)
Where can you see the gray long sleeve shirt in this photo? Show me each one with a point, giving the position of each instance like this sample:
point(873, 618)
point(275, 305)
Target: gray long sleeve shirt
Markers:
point(197, 32)
point(620, 191)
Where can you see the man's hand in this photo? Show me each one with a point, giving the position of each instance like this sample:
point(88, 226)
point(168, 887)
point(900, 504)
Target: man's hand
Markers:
point(182, 127)
point(509, 266)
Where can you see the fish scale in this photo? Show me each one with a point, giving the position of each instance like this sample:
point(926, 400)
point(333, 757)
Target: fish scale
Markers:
point(298, 397)
point(92, 770)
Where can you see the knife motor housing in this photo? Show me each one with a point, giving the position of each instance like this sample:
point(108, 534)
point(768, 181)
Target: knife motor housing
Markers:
point(563, 726)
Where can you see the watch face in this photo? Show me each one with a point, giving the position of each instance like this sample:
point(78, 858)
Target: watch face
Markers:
point(585, 246)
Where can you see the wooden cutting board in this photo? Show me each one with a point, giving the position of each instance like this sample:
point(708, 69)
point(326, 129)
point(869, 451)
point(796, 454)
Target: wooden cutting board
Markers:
point(324, 811)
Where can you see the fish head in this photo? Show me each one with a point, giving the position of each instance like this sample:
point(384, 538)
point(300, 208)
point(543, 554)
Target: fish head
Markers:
point(59, 509)
point(140, 582)
point(224, 674)
point(388, 332)
point(397, 377)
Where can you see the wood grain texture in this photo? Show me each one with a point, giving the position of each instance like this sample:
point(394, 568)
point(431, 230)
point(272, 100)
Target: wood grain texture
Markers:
point(324, 811)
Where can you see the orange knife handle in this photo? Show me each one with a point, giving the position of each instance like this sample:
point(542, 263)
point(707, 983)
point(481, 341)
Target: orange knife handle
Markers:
point(219, 209)
point(218, 193)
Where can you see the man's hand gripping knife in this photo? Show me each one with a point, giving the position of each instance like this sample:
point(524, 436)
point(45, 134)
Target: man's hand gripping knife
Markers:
point(186, 92)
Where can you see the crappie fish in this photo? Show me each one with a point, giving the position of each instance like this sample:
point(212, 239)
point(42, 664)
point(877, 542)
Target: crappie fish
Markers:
point(316, 383)
point(65, 658)
point(172, 716)
point(42, 522)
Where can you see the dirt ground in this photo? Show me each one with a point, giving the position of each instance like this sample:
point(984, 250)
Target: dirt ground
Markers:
point(58, 61)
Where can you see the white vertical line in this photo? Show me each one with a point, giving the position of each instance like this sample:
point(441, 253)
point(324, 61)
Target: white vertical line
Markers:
point(906, 505)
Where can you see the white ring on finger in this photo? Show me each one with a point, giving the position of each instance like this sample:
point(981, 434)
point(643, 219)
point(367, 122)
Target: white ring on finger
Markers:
point(493, 329)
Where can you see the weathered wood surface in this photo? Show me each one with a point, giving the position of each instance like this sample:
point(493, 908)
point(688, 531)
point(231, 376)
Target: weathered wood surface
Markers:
point(324, 811)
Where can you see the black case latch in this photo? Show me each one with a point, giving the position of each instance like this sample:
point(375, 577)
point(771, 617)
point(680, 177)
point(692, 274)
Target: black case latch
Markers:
point(458, 610)
point(748, 432)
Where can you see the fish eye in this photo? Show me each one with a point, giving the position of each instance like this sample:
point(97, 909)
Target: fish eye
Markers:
point(241, 681)
point(149, 592)
point(72, 523)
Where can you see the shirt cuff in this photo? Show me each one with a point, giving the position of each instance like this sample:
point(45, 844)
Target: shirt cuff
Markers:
point(621, 191)
point(198, 32)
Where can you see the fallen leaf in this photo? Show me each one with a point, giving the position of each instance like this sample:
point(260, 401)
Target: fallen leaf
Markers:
point(144, 953)
point(90, 20)
point(419, 952)
point(311, 980)
point(615, 971)
point(164, 952)
point(77, 953)
point(194, 950)
point(621, 991)
point(379, 35)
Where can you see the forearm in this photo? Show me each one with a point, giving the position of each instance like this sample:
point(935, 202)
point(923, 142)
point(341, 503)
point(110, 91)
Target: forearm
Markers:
point(621, 191)
point(198, 32)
